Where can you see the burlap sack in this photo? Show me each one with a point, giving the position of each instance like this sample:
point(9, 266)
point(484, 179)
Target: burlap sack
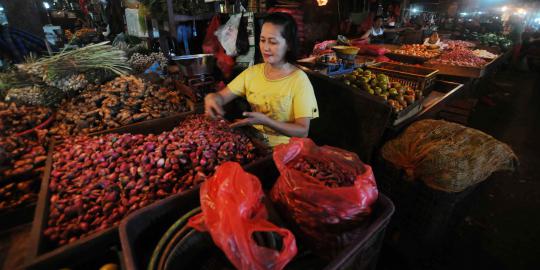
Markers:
point(448, 156)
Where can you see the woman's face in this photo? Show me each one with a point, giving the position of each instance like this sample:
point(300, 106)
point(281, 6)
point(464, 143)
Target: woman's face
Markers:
point(273, 45)
point(378, 23)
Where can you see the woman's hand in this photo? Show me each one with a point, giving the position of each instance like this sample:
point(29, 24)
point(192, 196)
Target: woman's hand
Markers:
point(298, 128)
point(253, 118)
point(213, 106)
point(214, 102)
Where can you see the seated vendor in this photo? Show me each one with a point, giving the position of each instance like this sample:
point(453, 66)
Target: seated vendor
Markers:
point(433, 40)
point(280, 94)
point(376, 33)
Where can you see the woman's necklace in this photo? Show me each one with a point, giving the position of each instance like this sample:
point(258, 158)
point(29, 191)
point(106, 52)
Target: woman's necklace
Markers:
point(273, 73)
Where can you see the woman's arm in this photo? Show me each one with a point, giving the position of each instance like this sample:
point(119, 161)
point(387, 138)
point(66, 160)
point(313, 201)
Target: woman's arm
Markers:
point(214, 102)
point(366, 34)
point(298, 128)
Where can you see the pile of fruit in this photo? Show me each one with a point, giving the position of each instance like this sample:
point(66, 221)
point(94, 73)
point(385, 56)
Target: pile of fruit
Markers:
point(18, 118)
point(120, 102)
point(459, 57)
point(418, 50)
point(398, 96)
point(459, 44)
point(96, 181)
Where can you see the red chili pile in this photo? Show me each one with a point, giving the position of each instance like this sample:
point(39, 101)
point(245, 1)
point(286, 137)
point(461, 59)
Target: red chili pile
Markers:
point(96, 181)
point(327, 172)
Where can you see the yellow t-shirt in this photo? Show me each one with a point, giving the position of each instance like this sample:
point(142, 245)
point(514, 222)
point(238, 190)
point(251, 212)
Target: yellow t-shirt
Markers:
point(283, 100)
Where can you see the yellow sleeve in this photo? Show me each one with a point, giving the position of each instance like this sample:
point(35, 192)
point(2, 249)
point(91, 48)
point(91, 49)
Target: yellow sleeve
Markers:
point(238, 85)
point(304, 101)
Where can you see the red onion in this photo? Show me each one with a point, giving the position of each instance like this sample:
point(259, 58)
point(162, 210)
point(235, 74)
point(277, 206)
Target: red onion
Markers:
point(99, 180)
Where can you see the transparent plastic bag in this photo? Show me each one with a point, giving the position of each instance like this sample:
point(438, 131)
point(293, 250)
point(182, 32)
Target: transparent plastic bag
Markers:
point(228, 33)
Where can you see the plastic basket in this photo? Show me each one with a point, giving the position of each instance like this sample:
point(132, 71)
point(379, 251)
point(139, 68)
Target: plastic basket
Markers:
point(405, 58)
point(140, 232)
point(41, 247)
point(424, 217)
point(94, 258)
point(419, 78)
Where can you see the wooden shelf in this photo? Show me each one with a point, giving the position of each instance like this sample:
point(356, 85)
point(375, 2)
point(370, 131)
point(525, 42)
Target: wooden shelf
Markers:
point(187, 18)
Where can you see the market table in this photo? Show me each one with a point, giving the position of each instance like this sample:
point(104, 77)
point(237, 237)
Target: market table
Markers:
point(347, 119)
point(434, 103)
point(359, 122)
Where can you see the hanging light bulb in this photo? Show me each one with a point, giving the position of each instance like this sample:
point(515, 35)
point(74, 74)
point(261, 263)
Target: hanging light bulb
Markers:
point(322, 2)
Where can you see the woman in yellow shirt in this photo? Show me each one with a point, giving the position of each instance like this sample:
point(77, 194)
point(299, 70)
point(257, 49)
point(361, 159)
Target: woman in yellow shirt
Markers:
point(281, 95)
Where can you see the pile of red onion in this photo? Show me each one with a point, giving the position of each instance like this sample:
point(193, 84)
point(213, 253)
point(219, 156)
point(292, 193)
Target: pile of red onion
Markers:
point(327, 172)
point(96, 181)
point(460, 57)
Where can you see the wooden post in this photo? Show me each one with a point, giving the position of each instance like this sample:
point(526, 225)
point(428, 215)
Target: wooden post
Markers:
point(404, 5)
point(172, 20)
point(150, 27)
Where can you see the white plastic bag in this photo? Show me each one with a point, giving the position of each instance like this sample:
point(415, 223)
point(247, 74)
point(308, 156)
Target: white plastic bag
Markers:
point(227, 34)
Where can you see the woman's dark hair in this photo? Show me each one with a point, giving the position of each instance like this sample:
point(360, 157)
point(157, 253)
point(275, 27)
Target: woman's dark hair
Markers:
point(378, 17)
point(289, 32)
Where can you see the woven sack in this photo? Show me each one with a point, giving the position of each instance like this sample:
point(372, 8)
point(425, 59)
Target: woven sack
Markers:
point(448, 156)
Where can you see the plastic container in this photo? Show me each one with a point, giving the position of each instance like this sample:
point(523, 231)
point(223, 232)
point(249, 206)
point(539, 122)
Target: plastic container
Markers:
point(396, 118)
point(419, 78)
point(195, 65)
point(409, 59)
point(89, 258)
point(15, 216)
point(41, 247)
point(140, 232)
point(425, 217)
point(468, 72)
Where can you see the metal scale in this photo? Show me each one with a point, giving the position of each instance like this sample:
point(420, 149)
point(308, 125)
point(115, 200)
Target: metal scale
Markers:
point(196, 71)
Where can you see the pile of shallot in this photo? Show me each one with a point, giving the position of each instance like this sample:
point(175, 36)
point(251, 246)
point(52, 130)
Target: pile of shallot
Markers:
point(459, 44)
point(459, 57)
point(96, 181)
point(327, 172)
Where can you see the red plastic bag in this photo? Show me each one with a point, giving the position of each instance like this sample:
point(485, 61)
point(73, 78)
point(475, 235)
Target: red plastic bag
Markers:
point(323, 47)
point(312, 204)
point(359, 42)
point(211, 45)
point(232, 210)
point(374, 50)
point(382, 58)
